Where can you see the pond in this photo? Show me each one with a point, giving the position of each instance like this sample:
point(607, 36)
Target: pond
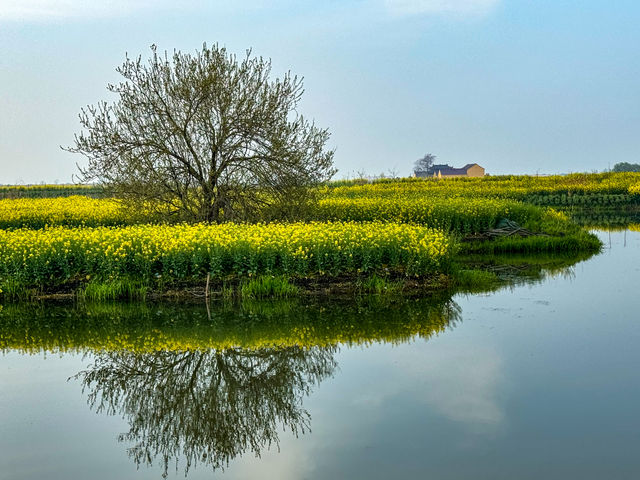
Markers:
point(535, 380)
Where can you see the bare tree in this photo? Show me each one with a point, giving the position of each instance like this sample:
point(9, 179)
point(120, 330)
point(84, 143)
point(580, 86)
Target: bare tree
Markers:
point(205, 137)
point(362, 174)
point(423, 164)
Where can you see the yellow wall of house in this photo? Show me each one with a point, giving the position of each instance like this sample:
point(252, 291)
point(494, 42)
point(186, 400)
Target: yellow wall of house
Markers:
point(475, 171)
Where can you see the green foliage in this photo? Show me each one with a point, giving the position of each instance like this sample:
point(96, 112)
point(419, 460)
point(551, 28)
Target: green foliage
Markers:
point(50, 191)
point(474, 281)
point(378, 285)
point(610, 218)
point(572, 243)
point(591, 200)
point(205, 136)
point(187, 253)
point(150, 327)
point(626, 167)
point(551, 190)
point(455, 215)
point(434, 215)
point(267, 286)
point(113, 289)
point(12, 288)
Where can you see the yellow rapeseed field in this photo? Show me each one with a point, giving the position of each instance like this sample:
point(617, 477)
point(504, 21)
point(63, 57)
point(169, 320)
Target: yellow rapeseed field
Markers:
point(405, 227)
point(459, 205)
point(504, 186)
point(73, 210)
point(456, 214)
point(58, 254)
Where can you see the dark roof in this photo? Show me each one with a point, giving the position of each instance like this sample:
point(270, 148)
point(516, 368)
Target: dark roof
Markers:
point(446, 170)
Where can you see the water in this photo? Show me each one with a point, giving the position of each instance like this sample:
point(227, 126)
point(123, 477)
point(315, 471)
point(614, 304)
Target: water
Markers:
point(539, 380)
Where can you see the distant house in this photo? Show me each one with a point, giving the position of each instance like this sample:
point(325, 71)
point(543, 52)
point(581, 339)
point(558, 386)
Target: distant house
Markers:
point(445, 171)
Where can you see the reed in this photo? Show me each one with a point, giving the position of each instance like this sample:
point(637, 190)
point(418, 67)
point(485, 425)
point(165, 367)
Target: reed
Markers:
point(113, 289)
point(267, 286)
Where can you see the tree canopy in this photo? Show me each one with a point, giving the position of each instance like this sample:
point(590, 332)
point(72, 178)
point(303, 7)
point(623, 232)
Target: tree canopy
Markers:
point(423, 164)
point(205, 137)
point(626, 167)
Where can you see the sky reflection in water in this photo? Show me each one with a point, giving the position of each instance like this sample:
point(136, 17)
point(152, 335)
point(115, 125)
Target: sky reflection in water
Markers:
point(535, 381)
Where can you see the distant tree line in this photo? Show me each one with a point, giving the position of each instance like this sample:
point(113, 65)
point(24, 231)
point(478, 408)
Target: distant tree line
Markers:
point(626, 167)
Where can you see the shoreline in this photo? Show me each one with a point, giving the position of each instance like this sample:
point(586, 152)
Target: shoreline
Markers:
point(469, 273)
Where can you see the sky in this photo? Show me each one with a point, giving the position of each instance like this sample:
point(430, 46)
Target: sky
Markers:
point(517, 86)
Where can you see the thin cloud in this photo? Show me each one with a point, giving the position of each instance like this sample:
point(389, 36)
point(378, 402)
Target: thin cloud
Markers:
point(56, 10)
point(437, 7)
point(44, 10)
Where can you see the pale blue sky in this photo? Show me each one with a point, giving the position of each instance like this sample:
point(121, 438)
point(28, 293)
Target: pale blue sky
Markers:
point(516, 86)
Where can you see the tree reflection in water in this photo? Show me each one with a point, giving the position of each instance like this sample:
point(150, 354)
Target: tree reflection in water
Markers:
point(206, 406)
point(205, 386)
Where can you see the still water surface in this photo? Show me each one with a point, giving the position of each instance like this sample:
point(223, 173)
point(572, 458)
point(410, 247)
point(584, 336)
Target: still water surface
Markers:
point(539, 380)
